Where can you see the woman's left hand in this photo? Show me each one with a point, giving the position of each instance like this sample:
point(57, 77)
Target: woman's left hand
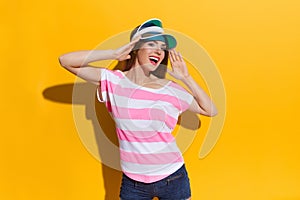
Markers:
point(179, 68)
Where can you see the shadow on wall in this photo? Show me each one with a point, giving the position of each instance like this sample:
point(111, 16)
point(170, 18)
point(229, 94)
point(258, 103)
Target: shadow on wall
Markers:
point(86, 96)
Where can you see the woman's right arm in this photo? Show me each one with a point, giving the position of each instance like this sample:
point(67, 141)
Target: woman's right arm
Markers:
point(78, 62)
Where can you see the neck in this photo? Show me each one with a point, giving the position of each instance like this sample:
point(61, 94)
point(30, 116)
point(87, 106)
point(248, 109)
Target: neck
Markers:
point(137, 75)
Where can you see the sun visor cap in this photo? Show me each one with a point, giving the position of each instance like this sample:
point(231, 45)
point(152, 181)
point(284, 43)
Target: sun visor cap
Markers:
point(149, 23)
point(168, 39)
point(152, 30)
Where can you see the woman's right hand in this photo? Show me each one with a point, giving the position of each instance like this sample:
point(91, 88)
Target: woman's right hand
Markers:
point(122, 53)
point(78, 62)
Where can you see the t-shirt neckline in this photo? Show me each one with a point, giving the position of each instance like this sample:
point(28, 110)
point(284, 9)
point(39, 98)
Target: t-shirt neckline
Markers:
point(143, 87)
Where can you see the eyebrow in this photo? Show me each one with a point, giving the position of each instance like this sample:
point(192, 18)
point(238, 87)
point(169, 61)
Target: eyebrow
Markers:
point(164, 44)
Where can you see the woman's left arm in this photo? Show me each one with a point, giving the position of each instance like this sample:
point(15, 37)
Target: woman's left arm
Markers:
point(202, 104)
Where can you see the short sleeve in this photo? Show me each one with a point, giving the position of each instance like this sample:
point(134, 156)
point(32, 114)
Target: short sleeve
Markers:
point(109, 81)
point(98, 94)
point(187, 101)
point(183, 97)
point(102, 88)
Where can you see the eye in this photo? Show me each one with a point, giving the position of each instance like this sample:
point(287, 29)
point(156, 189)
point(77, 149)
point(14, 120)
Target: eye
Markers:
point(151, 44)
point(164, 48)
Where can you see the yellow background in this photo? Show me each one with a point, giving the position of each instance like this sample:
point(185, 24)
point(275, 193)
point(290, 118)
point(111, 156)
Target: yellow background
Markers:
point(255, 45)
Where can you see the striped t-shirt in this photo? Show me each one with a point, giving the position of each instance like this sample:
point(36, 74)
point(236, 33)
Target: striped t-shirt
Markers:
point(145, 118)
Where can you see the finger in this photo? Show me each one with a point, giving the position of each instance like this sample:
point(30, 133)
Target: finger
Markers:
point(180, 57)
point(132, 44)
point(170, 56)
point(135, 40)
point(170, 71)
point(176, 57)
point(172, 59)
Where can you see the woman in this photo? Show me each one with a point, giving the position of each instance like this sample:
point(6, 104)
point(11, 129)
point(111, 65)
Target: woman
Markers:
point(145, 106)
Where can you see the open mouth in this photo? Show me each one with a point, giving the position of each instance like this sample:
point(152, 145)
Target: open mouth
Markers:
point(154, 60)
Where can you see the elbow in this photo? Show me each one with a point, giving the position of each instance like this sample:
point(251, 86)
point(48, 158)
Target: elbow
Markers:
point(68, 62)
point(62, 61)
point(213, 113)
point(210, 113)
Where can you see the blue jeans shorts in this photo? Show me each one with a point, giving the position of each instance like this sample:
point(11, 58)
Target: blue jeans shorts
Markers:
point(174, 187)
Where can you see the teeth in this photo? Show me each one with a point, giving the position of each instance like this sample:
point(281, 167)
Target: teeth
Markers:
point(154, 58)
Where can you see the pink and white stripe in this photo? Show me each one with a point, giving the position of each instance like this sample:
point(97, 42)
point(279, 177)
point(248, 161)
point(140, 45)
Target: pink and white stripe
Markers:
point(145, 118)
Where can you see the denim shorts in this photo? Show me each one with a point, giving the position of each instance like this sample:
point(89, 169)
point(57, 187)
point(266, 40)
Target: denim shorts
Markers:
point(174, 187)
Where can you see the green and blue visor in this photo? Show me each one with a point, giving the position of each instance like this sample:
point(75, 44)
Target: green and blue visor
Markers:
point(152, 30)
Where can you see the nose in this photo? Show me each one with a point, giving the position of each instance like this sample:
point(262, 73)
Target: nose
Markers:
point(158, 50)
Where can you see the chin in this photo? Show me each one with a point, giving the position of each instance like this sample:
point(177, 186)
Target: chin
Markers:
point(151, 67)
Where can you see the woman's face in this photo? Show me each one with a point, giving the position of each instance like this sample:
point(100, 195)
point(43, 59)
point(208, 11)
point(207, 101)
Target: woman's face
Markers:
point(150, 55)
